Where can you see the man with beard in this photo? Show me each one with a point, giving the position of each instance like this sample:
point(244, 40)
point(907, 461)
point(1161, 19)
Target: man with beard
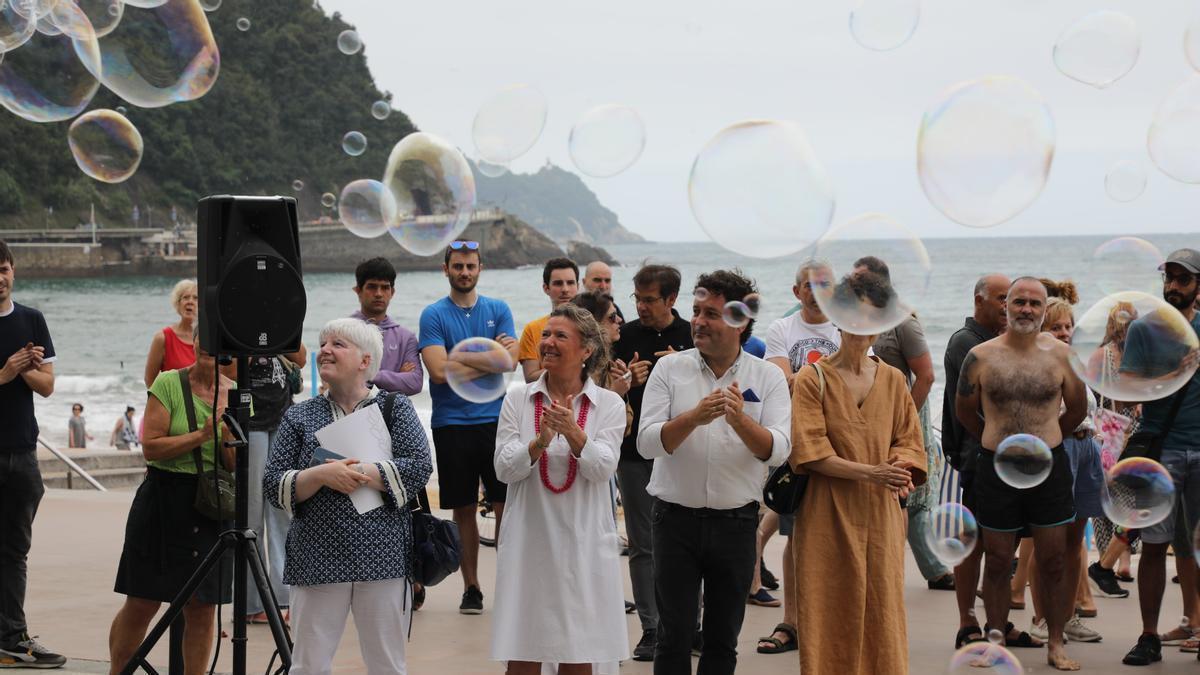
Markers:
point(1180, 444)
point(464, 433)
point(1019, 387)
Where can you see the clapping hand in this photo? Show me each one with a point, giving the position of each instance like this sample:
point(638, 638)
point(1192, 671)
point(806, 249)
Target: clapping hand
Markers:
point(711, 407)
point(619, 378)
point(558, 417)
point(733, 403)
point(338, 475)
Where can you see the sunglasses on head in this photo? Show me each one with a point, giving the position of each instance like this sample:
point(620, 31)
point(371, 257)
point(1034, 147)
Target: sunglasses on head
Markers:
point(460, 245)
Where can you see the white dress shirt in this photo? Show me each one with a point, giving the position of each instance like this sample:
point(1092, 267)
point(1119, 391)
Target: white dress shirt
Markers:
point(712, 468)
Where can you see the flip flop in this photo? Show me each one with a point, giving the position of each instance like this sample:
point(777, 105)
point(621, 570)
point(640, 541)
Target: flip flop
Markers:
point(778, 646)
point(964, 636)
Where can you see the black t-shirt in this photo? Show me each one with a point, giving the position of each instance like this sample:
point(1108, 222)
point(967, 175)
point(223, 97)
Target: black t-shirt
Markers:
point(269, 387)
point(960, 448)
point(18, 427)
point(636, 337)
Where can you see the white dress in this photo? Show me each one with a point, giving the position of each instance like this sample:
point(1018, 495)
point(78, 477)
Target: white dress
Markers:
point(559, 596)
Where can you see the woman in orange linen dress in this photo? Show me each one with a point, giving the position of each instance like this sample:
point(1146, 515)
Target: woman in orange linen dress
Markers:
point(860, 441)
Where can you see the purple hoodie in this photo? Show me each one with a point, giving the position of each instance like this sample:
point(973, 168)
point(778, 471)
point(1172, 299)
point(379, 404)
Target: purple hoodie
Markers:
point(399, 347)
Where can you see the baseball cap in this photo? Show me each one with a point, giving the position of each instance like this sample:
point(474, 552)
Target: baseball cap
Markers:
point(1187, 258)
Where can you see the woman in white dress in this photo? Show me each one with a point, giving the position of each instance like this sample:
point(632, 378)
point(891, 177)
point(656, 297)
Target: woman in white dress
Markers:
point(559, 596)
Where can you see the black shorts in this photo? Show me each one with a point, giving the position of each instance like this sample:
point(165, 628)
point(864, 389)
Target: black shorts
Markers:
point(465, 456)
point(1003, 508)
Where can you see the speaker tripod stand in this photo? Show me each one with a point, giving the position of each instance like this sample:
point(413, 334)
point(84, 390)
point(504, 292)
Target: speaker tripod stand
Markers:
point(246, 553)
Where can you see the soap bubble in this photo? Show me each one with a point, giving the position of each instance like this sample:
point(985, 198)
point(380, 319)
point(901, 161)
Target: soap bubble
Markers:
point(757, 189)
point(33, 9)
point(1138, 492)
point(1191, 44)
point(884, 24)
point(1023, 461)
point(156, 57)
point(1160, 347)
point(1098, 49)
point(434, 191)
point(753, 304)
point(865, 299)
point(984, 150)
point(366, 207)
point(1125, 181)
point(1127, 264)
point(509, 123)
point(380, 110)
point(348, 42)
point(491, 170)
point(243, 24)
point(146, 4)
point(995, 637)
point(102, 15)
point(1046, 341)
point(475, 384)
point(297, 185)
point(984, 658)
point(121, 109)
point(106, 145)
point(46, 27)
point(736, 314)
point(45, 81)
point(951, 533)
point(354, 143)
point(1174, 137)
point(328, 200)
point(210, 5)
point(700, 294)
point(607, 140)
point(15, 28)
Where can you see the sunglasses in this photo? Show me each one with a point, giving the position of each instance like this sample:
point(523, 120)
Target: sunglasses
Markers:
point(460, 245)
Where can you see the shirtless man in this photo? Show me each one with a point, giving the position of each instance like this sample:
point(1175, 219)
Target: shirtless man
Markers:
point(1018, 385)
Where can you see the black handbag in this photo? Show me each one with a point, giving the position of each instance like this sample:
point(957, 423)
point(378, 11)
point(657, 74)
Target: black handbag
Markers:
point(1149, 444)
point(215, 490)
point(784, 489)
point(436, 546)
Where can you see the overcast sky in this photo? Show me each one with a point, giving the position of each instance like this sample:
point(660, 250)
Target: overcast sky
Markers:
point(694, 67)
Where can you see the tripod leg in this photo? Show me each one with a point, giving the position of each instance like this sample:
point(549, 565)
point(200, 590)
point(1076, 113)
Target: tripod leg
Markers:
point(283, 641)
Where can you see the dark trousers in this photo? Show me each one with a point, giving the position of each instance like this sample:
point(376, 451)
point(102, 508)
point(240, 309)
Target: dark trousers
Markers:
point(693, 547)
point(21, 490)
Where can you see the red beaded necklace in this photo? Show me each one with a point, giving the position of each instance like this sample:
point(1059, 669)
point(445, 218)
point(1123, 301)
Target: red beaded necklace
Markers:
point(544, 461)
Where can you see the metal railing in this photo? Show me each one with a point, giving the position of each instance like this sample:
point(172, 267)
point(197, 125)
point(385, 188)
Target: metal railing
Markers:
point(72, 466)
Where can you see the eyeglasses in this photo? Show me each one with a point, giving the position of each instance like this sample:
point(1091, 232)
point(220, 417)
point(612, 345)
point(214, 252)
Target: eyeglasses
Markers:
point(644, 299)
point(460, 245)
point(1184, 279)
point(613, 318)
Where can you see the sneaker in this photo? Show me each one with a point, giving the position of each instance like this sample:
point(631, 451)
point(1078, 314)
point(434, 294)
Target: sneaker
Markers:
point(630, 608)
point(472, 601)
point(1104, 582)
point(27, 653)
point(942, 583)
point(766, 578)
point(1077, 630)
point(1147, 650)
point(1039, 630)
point(644, 651)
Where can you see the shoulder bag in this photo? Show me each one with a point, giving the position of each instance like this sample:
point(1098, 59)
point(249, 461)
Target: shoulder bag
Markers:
point(215, 490)
point(785, 488)
point(1149, 444)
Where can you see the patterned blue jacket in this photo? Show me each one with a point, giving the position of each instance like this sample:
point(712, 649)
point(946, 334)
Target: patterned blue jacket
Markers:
point(329, 542)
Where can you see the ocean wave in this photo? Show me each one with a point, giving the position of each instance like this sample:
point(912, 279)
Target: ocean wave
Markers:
point(95, 384)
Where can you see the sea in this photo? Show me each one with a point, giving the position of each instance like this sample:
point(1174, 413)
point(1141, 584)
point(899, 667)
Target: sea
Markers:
point(102, 327)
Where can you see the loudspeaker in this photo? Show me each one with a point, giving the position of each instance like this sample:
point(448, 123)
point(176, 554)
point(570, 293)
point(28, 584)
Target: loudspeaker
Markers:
point(250, 283)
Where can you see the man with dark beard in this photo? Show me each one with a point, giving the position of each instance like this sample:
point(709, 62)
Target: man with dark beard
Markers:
point(1181, 443)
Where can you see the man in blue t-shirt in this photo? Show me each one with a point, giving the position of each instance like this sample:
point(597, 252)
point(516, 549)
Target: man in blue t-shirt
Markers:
point(28, 357)
point(1147, 356)
point(464, 433)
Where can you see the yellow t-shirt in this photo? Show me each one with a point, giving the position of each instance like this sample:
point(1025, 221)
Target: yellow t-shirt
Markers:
point(530, 337)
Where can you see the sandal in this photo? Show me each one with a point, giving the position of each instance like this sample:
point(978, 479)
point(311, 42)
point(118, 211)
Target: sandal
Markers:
point(775, 645)
point(1176, 636)
point(1191, 645)
point(418, 596)
point(763, 599)
point(964, 636)
point(1024, 640)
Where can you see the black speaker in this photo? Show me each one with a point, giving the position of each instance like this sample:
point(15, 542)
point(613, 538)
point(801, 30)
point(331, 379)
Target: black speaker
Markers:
point(251, 287)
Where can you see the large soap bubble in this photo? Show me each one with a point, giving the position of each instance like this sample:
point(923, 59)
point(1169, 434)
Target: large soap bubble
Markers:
point(509, 123)
point(490, 170)
point(984, 658)
point(348, 42)
point(156, 57)
point(876, 274)
point(354, 143)
point(1125, 181)
point(146, 4)
point(1133, 346)
point(951, 533)
point(1138, 492)
point(1023, 461)
point(15, 28)
point(884, 24)
point(758, 189)
point(33, 9)
point(478, 369)
point(44, 81)
point(106, 145)
point(1098, 49)
point(366, 207)
point(102, 15)
point(607, 140)
point(1127, 264)
point(1174, 136)
point(434, 191)
point(984, 150)
point(1191, 44)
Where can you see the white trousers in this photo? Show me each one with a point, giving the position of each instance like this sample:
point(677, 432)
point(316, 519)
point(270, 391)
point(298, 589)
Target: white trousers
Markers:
point(382, 611)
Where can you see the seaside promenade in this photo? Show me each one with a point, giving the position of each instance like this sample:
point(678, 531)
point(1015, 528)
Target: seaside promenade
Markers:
point(77, 543)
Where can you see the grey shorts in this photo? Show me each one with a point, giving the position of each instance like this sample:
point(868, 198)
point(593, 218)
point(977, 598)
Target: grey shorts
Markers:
point(1088, 473)
point(1184, 467)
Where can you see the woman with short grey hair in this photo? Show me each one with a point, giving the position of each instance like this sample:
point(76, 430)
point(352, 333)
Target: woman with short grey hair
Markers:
point(340, 561)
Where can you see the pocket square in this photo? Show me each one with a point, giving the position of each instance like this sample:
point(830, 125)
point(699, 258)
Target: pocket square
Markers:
point(750, 397)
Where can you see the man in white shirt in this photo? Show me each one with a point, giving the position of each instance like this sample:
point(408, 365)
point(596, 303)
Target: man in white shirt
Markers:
point(713, 419)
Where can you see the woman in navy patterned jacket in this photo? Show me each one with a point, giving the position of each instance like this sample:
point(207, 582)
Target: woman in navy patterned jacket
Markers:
point(339, 561)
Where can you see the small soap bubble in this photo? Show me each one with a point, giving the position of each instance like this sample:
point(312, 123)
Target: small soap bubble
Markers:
point(243, 24)
point(1023, 461)
point(1125, 181)
point(210, 5)
point(106, 145)
point(607, 140)
point(366, 207)
point(951, 533)
point(995, 637)
point(1098, 49)
point(121, 109)
point(102, 15)
point(1138, 492)
point(1174, 137)
point(1046, 341)
point(984, 658)
point(753, 304)
point(882, 25)
point(736, 314)
point(491, 170)
point(348, 42)
point(486, 378)
point(509, 123)
point(380, 110)
point(1184, 622)
point(297, 185)
point(700, 294)
point(354, 143)
point(1126, 264)
point(328, 200)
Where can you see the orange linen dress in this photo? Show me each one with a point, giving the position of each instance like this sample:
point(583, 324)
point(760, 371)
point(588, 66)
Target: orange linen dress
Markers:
point(849, 535)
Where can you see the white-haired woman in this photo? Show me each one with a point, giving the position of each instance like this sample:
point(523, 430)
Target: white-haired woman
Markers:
point(339, 561)
point(171, 348)
point(558, 579)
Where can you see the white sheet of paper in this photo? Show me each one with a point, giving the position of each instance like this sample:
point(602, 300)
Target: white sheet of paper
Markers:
point(361, 435)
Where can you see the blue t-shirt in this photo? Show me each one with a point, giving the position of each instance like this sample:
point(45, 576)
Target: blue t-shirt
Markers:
point(446, 324)
point(1147, 356)
point(755, 346)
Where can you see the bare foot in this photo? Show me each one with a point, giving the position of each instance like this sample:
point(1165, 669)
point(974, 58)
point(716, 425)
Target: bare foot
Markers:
point(1057, 657)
